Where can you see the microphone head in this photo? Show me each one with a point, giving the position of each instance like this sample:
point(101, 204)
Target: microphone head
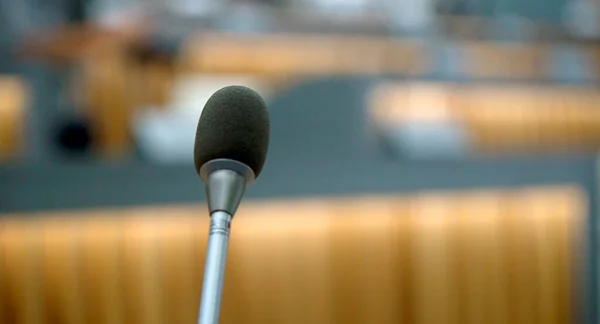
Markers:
point(234, 125)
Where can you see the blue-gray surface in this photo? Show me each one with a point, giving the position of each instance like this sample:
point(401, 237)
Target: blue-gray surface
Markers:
point(66, 187)
point(321, 145)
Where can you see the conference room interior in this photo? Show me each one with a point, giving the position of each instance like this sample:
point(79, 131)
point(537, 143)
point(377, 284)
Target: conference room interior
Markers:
point(430, 161)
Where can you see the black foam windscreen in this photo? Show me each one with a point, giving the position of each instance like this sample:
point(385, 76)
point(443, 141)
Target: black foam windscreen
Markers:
point(234, 125)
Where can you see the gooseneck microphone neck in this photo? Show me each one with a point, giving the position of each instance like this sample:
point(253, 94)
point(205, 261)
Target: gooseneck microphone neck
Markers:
point(231, 145)
point(226, 180)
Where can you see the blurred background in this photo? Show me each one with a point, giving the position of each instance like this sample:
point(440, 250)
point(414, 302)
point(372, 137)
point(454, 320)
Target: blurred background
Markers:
point(431, 161)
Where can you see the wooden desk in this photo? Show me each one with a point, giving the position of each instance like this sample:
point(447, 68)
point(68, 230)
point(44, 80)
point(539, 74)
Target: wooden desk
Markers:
point(487, 60)
point(501, 256)
point(283, 54)
point(500, 118)
point(113, 85)
point(297, 56)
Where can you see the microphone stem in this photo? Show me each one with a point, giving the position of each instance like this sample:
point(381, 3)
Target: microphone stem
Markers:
point(214, 270)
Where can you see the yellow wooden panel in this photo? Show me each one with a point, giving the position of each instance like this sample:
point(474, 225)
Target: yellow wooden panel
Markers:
point(366, 289)
point(64, 288)
point(101, 273)
point(495, 60)
point(179, 248)
point(481, 266)
point(503, 256)
point(284, 54)
point(108, 81)
point(23, 286)
point(436, 294)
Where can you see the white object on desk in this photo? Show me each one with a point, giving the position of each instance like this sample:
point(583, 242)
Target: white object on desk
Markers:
point(166, 135)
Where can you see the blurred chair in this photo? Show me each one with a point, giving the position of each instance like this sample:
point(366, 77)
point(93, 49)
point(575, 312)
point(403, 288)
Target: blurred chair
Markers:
point(14, 98)
point(100, 57)
point(110, 98)
point(154, 65)
point(570, 65)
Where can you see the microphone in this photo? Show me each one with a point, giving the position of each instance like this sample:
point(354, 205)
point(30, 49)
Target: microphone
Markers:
point(232, 140)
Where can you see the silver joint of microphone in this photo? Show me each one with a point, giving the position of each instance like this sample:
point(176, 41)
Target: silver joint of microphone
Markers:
point(226, 180)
